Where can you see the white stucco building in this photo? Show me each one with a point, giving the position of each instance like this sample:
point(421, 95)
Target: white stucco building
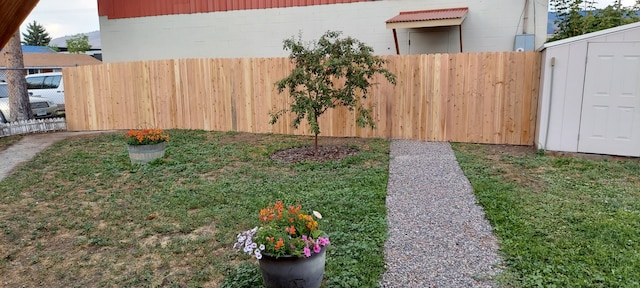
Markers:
point(149, 30)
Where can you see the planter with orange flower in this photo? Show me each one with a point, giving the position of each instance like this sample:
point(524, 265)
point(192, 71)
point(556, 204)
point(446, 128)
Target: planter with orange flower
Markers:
point(289, 246)
point(146, 145)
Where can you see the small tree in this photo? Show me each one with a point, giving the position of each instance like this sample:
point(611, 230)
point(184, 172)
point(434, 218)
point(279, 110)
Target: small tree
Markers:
point(36, 35)
point(319, 65)
point(78, 44)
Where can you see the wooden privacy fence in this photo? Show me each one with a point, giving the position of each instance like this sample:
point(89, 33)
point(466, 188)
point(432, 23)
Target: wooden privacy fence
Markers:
point(465, 97)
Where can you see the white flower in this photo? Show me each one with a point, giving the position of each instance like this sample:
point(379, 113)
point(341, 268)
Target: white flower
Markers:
point(262, 247)
point(258, 254)
point(317, 214)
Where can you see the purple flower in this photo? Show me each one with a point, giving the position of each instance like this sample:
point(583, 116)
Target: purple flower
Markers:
point(307, 252)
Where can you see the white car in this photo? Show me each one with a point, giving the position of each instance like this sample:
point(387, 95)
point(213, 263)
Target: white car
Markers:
point(40, 107)
point(49, 86)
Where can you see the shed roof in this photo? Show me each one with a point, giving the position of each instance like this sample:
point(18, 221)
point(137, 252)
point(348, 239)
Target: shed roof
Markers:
point(429, 18)
point(54, 60)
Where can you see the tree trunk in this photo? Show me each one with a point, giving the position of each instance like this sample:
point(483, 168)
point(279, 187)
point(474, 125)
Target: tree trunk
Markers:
point(18, 95)
point(316, 146)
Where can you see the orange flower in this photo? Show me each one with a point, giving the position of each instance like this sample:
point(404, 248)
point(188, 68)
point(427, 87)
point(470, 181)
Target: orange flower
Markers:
point(294, 210)
point(146, 136)
point(291, 230)
point(279, 244)
point(311, 225)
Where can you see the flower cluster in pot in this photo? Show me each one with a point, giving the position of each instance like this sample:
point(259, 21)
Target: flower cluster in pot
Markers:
point(146, 136)
point(284, 231)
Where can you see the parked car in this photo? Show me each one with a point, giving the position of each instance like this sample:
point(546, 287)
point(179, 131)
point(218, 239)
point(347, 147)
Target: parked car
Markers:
point(40, 107)
point(49, 86)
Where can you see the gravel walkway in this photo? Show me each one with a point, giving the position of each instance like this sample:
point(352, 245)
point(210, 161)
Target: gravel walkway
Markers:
point(438, 236)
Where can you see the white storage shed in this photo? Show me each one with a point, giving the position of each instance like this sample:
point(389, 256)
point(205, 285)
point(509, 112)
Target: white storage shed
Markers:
point(590, 93)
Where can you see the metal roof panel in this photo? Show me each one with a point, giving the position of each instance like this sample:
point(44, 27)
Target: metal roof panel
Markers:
point(428, 15)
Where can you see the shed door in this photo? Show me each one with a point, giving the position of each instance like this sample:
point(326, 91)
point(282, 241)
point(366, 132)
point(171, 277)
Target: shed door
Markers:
point(610, 121)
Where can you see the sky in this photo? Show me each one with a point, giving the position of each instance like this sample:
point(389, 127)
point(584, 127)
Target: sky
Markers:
point(70, 17)
point(65, 17)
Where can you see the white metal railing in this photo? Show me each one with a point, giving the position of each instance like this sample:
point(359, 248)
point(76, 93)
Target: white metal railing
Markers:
point(32, 126)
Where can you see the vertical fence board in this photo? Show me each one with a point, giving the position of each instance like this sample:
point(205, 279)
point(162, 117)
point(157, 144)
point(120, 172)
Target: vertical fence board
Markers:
point(465, 97)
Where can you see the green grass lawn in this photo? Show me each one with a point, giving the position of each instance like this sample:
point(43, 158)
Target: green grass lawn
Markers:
point(80, 215)
point(562, 221)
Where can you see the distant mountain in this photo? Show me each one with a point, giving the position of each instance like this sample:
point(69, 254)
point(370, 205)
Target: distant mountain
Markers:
point(94, 40)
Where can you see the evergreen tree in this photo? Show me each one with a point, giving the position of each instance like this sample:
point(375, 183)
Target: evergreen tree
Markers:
point(78, 44)
point(36, 35)
point(577, 17)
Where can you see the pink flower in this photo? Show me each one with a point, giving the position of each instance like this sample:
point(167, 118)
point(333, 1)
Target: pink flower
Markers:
point(323, 241)
point(307, 252)
point(316, 248)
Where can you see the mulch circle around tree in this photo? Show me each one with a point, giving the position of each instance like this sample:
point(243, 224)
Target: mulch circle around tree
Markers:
point(325, 153)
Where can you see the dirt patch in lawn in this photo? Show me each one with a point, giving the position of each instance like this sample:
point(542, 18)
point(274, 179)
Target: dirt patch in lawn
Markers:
point(512, 150)
point(324, 153)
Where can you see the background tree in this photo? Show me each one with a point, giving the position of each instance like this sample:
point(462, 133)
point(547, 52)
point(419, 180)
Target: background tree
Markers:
point(318, 67)
point(36, 35)
point(78, 44)
point(18, 97)
point(577, 17)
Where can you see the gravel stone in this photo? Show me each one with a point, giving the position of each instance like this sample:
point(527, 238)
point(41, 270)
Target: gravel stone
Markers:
point(438, 235)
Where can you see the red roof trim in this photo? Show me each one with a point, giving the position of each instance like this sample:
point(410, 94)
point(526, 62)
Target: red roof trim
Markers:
point(428, 15)
point(116, 9)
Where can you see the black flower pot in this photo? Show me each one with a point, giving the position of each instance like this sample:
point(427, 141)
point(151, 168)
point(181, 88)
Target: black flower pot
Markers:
point(292, 271)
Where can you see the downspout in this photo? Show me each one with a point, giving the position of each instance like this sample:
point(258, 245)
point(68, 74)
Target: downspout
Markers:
point(460, 33)
point(546, 137)
point(395, 40)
